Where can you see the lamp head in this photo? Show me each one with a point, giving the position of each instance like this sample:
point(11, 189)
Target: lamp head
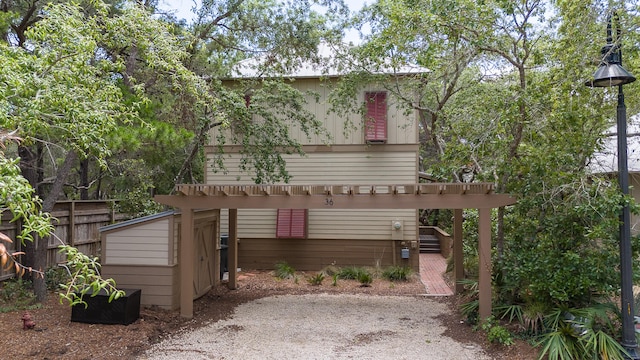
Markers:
point(610, 72)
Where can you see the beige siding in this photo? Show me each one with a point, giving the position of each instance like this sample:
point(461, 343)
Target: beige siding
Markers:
point(144, 244)
point(353, 167)
point(328, 224)
point(334, 168)
point(158, 283)
point(402, 127)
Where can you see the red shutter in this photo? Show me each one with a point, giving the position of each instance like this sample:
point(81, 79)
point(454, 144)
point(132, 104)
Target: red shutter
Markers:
point(291, 223)
point(376, 117)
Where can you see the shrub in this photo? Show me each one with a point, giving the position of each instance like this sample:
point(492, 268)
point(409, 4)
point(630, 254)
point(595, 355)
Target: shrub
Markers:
point(351, 272)
point(586, 333)
point(54, 276)
point(497, 333)
point(17, 295)
point(316, 279)
point(397, 273)
point(365, 278)
point(284, 270)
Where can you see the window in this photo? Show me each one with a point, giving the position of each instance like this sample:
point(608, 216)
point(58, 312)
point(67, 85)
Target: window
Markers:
point(376, 117)
point(292, 223)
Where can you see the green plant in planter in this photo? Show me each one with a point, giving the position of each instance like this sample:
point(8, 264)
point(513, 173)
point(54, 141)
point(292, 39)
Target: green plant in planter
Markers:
point(84, 273)
point(284, 270)
point(316, 279)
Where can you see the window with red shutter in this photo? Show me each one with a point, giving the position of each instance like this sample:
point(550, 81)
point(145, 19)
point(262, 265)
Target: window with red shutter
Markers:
point(291, 223)
point(376, 117)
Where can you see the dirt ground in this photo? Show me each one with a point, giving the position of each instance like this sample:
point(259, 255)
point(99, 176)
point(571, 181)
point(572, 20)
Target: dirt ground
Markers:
point(55, 336)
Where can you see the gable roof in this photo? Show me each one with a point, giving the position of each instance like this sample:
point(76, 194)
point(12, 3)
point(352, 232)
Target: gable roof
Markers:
point(327, 66)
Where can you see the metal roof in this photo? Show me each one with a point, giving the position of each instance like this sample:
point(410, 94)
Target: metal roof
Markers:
point(136, 221)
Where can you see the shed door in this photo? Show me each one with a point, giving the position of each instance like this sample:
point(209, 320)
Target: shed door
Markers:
point(204, 260)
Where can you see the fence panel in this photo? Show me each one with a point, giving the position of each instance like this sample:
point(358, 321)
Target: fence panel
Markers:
point(76, 223)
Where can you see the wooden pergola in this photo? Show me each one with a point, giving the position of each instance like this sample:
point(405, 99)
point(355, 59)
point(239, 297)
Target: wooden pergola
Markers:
point(455, 196)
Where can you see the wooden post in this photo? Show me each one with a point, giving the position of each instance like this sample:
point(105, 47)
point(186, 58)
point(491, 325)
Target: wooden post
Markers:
point(484, 253)
point(186, 263)
point(232, 256)
point(458, 255)
point(72, 224)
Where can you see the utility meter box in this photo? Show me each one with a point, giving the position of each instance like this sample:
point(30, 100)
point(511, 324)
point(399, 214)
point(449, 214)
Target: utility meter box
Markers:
point(397, 230)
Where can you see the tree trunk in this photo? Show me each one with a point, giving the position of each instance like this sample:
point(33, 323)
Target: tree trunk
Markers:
point(28, 168)
point(84, 179)
point(40, 254)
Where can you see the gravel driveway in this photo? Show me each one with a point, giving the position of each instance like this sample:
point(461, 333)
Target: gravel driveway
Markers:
point(322, 326)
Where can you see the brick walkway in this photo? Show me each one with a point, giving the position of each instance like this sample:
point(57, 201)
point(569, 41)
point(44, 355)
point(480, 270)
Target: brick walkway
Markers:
point(432, 266)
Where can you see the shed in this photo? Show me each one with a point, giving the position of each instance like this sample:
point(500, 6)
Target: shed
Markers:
point(143, 254)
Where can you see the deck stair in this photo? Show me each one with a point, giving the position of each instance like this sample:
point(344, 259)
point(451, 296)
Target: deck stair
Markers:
point(429, 244)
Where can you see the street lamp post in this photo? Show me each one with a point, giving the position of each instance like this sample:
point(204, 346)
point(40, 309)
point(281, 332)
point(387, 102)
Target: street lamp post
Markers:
point(611, 73)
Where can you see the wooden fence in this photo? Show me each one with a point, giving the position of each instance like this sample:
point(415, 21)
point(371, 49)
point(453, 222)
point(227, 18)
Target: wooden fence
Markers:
point(77, 223)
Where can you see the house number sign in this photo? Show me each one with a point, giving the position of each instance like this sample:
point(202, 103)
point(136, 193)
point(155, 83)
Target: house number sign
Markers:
point(328, 201)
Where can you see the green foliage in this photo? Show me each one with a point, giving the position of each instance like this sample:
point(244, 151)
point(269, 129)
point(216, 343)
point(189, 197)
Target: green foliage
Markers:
point(497, 333)
point(365, 278)
point(17, 196)
point(397, 273)
point(16, 294)
point(470, 306)
point(334, 280)
point(284, 271)
point(316, 279)
point(84, 278)
point(54, 276)
point(581, 334)
point(351, 272)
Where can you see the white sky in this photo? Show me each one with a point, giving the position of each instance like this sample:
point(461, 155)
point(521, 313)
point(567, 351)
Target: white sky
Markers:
point(183, 11)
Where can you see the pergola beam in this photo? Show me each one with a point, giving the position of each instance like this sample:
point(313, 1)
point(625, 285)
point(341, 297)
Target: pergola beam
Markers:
point(454, 196)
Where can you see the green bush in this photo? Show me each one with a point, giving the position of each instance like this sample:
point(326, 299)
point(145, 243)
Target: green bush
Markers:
point(55, 276)
point(316, 279)
point(587, 333)
point(497, 333)
point(351, 272)
point(397, 273)
point(365, 278)
point(284, 270)
point(17, 294)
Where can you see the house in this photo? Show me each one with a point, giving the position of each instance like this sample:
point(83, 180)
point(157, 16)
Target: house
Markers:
point(353, 202)
point(384, 151)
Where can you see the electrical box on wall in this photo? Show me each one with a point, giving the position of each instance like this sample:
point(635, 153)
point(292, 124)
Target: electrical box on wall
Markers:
point(397, 230)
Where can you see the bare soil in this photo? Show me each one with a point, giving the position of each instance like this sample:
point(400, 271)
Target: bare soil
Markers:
point(55, 336)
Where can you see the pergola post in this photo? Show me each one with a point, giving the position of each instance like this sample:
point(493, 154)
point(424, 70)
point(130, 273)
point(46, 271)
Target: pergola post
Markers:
point(233, 249)
point(458, 255)
point(484, 254)
point(186, 263)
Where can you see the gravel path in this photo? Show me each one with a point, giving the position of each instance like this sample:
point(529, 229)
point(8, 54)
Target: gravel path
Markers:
point(322, 326)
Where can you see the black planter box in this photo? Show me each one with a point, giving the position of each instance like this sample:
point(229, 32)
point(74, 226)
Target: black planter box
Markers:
point(99, 310)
